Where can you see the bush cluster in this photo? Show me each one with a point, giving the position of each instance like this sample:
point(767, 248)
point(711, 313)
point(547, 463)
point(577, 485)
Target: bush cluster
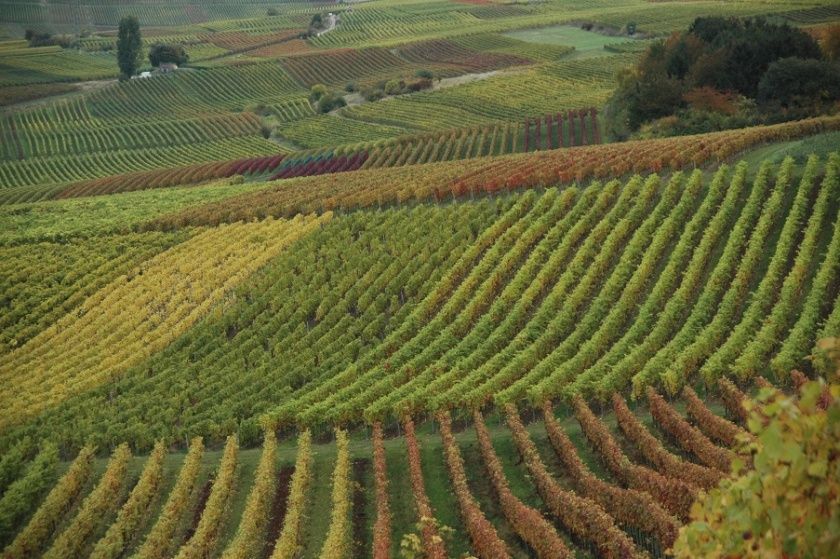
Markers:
point(725, 73)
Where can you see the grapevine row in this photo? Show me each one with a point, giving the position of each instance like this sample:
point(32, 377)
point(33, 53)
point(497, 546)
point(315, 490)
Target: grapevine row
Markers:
point(339, 540)
point(289, 542)
point(250, 536)
point(655, 453)
point(33, 538)
point(102, 501)
point(133, 513)
point(382, 527)
point(582, 517)
point(528, 523)
point(159, 542)
point(483, 535)
point(432, 542)
point(205, 538)
point(374, 187)
point(630, 507)
point(688, 437)
point(675, 495)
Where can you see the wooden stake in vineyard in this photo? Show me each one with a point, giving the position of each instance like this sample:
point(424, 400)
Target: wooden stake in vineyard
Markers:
point(560, 130)
point(570, 116)
point(548, 131)
point(527, 130)
point(582, 115)
point(593, 115)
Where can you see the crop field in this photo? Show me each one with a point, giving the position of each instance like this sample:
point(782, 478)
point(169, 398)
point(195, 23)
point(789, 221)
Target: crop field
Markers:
point(23, 68)
point(179, 12)
point(459, 328)
point(507, 96)
point(413, 279)
point(564, 35)
point(511, 484)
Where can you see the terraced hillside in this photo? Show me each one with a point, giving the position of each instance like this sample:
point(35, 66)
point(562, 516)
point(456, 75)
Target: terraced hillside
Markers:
point(245, 92)
point(383, 279)
point(542, 485)
point(532, 295)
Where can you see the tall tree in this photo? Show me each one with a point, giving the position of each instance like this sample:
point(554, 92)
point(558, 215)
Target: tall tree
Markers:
point(129, 45)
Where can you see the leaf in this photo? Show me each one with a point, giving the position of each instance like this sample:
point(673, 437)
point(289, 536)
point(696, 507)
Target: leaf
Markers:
point(818, 468)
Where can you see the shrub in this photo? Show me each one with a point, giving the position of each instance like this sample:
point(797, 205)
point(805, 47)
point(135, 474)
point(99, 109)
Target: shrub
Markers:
point(317, 91)
point(161, 53)
point(419, 85)
point(373, 94)
point(794, 83)
point(788, 505)
point(394, 87)
point(331, 101)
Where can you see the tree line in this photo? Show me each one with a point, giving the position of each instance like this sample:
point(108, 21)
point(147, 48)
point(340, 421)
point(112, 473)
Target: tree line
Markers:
point(727, 73)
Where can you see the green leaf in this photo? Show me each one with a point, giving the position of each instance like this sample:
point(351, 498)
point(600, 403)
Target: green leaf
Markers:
point(818, 468)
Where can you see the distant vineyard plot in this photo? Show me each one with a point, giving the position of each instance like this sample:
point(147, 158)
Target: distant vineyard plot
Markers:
point(419, 279)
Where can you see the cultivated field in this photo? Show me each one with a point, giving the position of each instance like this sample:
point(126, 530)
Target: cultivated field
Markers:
point(453, 315)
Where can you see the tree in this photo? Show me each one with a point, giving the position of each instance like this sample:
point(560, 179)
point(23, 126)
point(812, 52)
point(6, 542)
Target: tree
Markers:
point(750, 46)
point(643, 94)
point(129, 45)
point(331, 101)
point(317, 91)
point(796, 83)
point(788, 505)
point(728, 55)
point(830, 42)
point(161, 53)
point(394, 87)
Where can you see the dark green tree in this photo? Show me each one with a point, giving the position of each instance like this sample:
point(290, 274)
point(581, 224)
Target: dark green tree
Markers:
point(331, 101)
point(129, 46)
point(731, 56)
point(750, 46)
point(160, 53)
point(794, 83)
point(317, 91)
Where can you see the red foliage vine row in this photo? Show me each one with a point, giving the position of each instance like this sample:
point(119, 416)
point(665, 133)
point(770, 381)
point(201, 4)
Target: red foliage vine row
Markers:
point(656, 454)
point(584, 518)
point(689, 438)
point(629, 507)
point(714, 426)
point(674, 494)
point(485, 540)
point(733, 398)
point(382, 527)
point(527, 522)
point(432, 542)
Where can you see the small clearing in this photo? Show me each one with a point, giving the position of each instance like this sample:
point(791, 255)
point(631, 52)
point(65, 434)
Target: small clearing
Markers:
point(586, 43)
point(353, 99)
point(465, 78)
